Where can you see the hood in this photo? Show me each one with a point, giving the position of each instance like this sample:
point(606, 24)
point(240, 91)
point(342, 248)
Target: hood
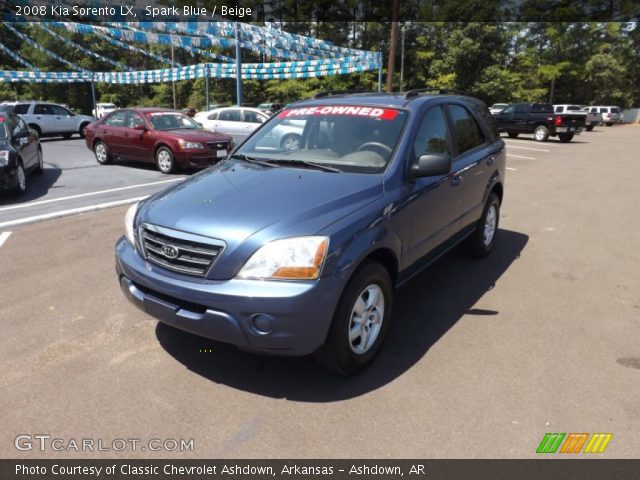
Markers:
point(235, 200)
point(86, 117)
point(199, 135)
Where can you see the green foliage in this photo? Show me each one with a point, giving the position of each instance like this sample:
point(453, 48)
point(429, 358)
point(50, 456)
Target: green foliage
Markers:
point(578, 62)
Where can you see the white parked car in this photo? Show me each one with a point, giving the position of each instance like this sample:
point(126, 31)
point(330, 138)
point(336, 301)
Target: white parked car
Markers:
point(610, 115)
point(497, 108)
point(240, 122)
point(51, 119)
point(103, 109)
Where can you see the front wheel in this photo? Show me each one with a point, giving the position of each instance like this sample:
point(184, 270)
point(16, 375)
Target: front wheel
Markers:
point(165, 160)
point(590, 128)
point(21, 180)
point(609, 124)
point(481, 241)
point(565, 137)
point(541, 133)
point(40, 167)
point(360, 321)
point(512, 134)
point(83, 130)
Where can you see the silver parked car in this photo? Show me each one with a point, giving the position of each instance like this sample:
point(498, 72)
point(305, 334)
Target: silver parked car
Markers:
point(50, 119)
point(240, 122)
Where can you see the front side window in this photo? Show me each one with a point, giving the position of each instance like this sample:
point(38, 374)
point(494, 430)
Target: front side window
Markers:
point(347, 137)
point(232, 115)
point(615, 110)
point(522, 108)
point(433, 134)
point(559, 109)
point(63, 112)
point(253, 117)
point(133, 120)
point(468, 133)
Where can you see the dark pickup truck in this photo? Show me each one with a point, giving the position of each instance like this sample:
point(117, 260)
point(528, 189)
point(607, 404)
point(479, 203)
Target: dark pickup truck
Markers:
point(539, 119)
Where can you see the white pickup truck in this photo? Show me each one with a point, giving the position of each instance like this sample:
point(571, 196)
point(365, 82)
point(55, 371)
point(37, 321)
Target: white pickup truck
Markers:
point(103, 109)
point(50, 119)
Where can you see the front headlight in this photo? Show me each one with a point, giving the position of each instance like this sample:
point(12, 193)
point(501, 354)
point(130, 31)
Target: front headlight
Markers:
point(4, 158)
point(128, 223)
point(185, 144)
point(298, 258)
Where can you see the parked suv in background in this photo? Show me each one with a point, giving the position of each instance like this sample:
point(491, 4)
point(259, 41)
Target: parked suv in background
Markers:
point(294, 252)
point(594, 117)
point(50, 119)
point(610, 115)
point(539, 119)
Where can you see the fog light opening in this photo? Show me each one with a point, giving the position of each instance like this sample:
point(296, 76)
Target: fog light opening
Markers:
point(262, 323)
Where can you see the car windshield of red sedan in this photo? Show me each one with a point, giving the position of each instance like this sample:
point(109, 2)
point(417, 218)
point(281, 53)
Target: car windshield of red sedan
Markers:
point(171, 121)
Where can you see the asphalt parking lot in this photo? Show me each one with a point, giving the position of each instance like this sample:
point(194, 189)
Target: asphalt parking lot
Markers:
point(483, 358)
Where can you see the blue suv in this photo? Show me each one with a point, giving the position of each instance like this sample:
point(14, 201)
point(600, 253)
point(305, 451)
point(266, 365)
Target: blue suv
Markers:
point(298, 251)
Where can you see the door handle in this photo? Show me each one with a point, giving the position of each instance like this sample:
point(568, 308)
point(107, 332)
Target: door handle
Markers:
point(457, 180)
point(126, 134)
point(491, 160)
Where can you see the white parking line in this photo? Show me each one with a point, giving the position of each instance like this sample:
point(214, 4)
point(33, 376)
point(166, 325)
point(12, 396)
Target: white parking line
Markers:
point(3, 237)
point(80, 195)
point(71, 211)
point(520, 156)
point(528, 148)
point(513, 169)
point(530, 142)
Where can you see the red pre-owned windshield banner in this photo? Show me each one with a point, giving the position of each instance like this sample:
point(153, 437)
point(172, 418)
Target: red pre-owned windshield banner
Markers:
point(370, 112)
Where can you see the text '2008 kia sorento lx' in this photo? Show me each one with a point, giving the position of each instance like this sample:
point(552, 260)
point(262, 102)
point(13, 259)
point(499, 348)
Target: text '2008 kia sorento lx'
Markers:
point(299, 251)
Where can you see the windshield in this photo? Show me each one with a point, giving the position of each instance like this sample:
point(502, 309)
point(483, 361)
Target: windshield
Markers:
point(107, 105)
point(349, 138)
point(171, 121)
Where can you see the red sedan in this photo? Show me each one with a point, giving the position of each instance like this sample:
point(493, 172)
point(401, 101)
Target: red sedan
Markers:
point(166, 137)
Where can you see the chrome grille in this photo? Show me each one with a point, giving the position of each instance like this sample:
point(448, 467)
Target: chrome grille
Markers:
point(192, 257)
point(217, 145)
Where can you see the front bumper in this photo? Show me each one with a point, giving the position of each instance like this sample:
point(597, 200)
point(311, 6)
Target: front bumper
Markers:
point(198, 158)
point(8, 177)
point(281, 317)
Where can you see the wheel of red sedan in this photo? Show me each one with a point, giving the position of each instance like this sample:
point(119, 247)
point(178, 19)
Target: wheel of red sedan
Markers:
point(165, 161)
point(101, 151)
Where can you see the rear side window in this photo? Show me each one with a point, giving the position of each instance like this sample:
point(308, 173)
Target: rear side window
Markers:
point(573, 108)
point(522, 108)
point(21, 108)
point(433, 135)
point(484, 116)
point(604, 110)
point(615, 110)
point(468, 133)
point(560, 109)
point(117, 119)
point(252, 117)
point(42, 110)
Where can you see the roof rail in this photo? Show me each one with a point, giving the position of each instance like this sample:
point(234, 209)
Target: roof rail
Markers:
point(329, 93)
point(440, 91)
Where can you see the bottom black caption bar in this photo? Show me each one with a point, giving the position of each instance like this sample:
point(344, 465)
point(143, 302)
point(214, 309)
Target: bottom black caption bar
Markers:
point(327, 469)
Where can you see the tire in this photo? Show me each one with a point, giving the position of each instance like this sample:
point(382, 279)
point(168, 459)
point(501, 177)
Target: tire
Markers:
point(565, 137)
point(512, 134)
point(67, 136)
point(590, 128)
point(480, 243)
point(344, 352)
point(21, 184)
point(101, 152)
point(82, 129)
point(165, 161)
point(609, 124)
point(541, 133)
point(36, 129)
point(39, 170)
point(290, 142)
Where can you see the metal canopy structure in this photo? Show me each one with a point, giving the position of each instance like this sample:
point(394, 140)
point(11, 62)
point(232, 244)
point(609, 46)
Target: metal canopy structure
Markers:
point(299, 56)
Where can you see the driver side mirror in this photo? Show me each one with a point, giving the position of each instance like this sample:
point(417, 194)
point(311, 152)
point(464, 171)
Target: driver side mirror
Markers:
point(431, 165)
point(21, 134)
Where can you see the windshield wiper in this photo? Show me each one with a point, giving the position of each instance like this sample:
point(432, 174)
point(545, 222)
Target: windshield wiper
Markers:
point(241, 156)
point(304, 163)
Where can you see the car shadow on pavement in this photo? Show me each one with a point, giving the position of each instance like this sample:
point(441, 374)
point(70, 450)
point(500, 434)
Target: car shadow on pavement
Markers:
point(37, 186)
point(425, 309)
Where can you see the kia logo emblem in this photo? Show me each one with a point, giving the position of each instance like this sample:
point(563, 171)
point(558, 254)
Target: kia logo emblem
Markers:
point(170, 251)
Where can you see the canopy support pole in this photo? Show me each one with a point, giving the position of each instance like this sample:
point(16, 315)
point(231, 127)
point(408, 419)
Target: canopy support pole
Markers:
point(93, 96)
point(238, 68)
point(206, 85)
